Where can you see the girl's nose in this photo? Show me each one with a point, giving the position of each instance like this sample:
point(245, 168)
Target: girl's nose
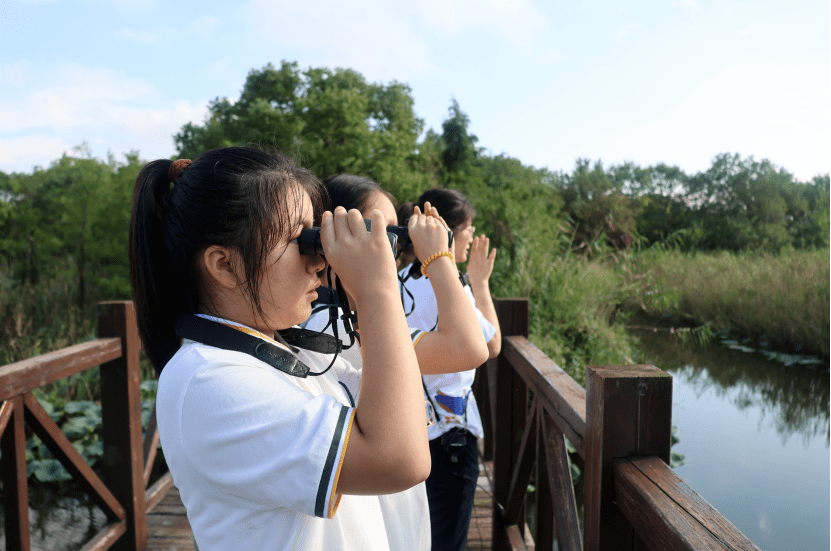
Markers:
point(315, 263)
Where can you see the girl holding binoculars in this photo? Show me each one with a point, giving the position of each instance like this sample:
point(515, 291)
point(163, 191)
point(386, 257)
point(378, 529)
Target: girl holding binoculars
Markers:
point(453, 438)
point(455, 344)
point(267, 450)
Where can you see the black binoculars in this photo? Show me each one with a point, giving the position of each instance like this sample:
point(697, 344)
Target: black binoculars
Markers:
point(309, 239)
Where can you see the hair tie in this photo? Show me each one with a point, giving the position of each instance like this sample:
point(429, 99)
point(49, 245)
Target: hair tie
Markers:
point(176, 168)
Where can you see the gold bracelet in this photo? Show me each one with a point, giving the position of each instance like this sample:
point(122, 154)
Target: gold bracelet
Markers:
point(434, 256)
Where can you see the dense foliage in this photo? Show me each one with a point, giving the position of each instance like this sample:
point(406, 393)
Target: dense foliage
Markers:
point(562, 236)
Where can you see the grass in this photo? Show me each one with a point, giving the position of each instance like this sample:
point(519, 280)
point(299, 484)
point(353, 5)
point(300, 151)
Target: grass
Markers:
point(780, 300)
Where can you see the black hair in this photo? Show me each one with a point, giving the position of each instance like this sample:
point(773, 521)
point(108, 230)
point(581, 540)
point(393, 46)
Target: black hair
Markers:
point(451, 204)
point(352, 192)
point(243, 198)
point(404, 211)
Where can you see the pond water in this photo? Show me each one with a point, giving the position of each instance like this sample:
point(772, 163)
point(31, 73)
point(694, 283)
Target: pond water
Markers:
point(755, 436)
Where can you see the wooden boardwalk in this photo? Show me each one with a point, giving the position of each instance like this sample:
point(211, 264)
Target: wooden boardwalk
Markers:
point(168, 528)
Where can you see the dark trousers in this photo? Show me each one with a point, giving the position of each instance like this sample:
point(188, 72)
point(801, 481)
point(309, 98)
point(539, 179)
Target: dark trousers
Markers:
point(450, 491)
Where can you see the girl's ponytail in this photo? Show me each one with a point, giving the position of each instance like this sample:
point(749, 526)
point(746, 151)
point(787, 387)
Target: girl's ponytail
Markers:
point(241, 198)
point(152, 276)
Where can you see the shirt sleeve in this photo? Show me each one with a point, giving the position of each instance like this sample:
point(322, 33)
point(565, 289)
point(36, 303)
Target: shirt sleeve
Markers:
point(259, 437)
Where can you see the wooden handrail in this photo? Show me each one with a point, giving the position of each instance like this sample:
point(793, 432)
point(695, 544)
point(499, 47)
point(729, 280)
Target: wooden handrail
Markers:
point(124, 497)
point(26, 375)
point(620, 425)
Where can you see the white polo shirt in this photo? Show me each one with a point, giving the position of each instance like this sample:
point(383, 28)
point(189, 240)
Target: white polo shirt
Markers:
point(406, 514)
point(425, 316)
point(256, 453)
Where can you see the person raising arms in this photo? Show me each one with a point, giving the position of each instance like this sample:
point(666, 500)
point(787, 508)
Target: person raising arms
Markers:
point(455, 344)
point(263, 443)
point(453, 439)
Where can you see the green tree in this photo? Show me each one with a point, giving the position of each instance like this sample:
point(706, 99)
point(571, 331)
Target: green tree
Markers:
point(334, 119)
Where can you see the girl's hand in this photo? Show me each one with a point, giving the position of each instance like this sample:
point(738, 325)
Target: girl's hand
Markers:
point(427, 232)
point(480, 263)
point(363, 260)
point(430, 210)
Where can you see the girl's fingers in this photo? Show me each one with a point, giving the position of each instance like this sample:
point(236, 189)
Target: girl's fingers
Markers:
point(492, 256)
point(327, 230)
point(378, 227)
point(356, 222)
point(341, 225)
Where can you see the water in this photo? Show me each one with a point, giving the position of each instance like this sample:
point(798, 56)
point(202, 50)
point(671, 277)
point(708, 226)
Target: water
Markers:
point(755, 436)
point(60, 521)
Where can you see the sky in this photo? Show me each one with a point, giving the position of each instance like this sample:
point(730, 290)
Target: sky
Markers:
point(646, 81)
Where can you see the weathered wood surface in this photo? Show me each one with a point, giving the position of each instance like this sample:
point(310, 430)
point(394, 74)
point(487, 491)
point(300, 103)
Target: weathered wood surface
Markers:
point(15, 492)
point(121, 421)
point(168, 528)
point(667, 513)
point(628, 413)
point(557, 392)
point(27, 375)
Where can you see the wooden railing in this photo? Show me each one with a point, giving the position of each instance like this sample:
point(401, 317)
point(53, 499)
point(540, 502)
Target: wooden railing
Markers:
point(620, 426)
point(127, 459)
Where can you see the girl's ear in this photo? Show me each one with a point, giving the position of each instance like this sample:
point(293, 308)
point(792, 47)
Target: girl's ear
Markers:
point(218, 263)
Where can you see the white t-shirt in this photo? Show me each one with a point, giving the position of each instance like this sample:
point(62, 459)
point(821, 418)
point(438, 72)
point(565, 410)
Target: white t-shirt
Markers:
point(256, 453)
point(425, 316)
point(406, 514)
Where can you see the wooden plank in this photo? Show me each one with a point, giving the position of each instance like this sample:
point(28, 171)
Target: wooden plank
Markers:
point(545, 503)
point(562, 397)
point(15, 489)
point(523, 469)
point(688, 500)
point(620, 400)
point(5, 415)
point(106, 537)
point(558, 472)
point(121, 415)
point(150, 446)
point(483, 399)
point(26, 375)
point(660, 521)
point(63, 450)
point(157, 492)
point(515, 538)
point(513, 320)
point(519, 415)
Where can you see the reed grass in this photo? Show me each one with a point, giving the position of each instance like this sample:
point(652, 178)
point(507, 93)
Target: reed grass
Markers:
point(782, 300)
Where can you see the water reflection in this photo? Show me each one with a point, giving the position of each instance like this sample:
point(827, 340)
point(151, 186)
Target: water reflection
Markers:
point(61, 518)
point(794, 399)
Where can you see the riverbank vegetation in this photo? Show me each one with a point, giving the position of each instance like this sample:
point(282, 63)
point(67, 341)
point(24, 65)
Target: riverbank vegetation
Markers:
point(778, 301)
point(739, 245)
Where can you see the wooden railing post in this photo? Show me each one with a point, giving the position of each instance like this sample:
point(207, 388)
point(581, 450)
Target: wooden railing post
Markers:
point(628, 413)
point(481, 390)
point(509, 395)
point(121, 419)
point(15, 489)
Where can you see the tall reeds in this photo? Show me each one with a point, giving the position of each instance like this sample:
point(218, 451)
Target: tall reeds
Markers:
point(781, 299)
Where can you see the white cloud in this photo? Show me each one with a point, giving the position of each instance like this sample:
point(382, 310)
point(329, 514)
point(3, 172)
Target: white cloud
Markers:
point(111, 111)
point(21, 154)
point(368, 35)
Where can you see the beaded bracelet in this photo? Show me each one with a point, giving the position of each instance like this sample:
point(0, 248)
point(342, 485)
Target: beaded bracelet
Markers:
point(434, 256)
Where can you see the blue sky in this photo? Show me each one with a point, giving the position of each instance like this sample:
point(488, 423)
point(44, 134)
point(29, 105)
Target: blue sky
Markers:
point(677, 81)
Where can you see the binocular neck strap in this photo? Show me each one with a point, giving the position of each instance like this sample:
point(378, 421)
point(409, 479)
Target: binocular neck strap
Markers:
point(211, 333)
